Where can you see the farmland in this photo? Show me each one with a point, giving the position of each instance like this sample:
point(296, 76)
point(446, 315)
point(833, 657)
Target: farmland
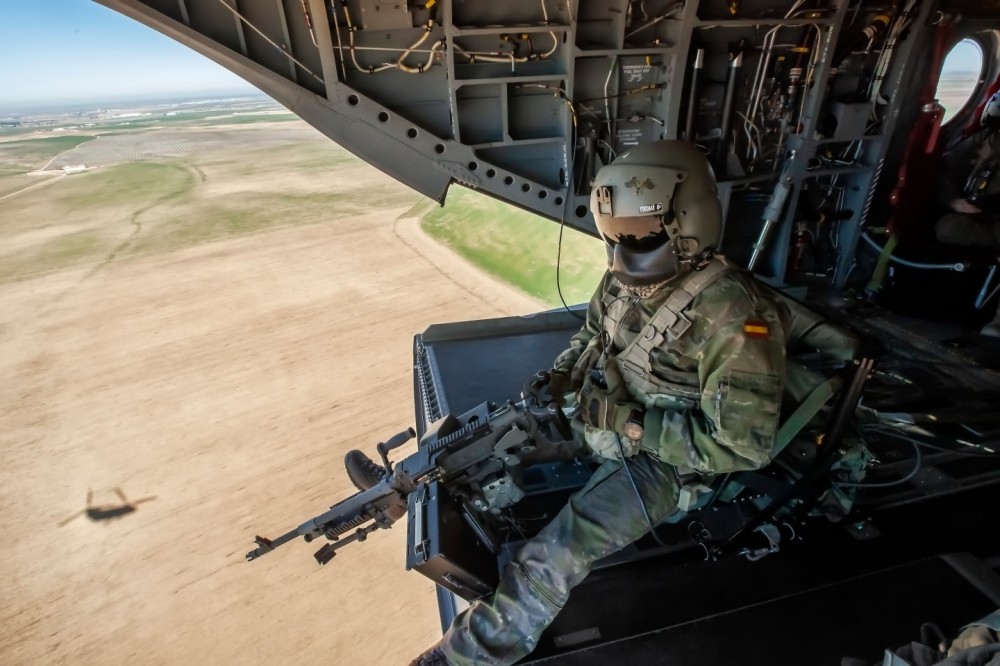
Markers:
point(207, 319)
point(205, 175)
point(163, 190)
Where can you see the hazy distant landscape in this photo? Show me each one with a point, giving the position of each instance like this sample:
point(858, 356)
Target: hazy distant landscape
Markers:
point(160, 177)
point(953, 91)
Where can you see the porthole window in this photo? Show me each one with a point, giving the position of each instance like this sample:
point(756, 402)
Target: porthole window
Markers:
point(960, 75)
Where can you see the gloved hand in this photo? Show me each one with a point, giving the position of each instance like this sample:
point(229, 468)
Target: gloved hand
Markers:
point(548, 386)
point(559, 385)
point(607, 405)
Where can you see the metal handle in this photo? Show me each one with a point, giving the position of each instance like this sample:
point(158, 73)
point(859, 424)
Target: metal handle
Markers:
point(393, 442)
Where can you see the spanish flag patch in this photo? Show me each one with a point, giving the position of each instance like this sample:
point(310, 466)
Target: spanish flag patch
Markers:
point(755, 329)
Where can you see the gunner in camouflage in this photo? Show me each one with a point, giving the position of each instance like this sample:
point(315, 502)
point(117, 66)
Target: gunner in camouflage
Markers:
point(680, 365)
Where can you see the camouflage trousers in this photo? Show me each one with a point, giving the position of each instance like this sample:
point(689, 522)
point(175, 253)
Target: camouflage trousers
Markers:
point(599, 519)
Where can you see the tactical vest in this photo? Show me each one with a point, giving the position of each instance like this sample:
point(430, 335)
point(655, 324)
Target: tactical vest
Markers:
point(668, 323)
point(805, 391)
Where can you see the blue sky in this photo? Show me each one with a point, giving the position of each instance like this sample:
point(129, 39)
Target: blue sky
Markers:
point(965, 56)
point(66, 51)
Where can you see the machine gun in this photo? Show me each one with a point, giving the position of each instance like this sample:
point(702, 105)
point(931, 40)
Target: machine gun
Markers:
point(475, 455)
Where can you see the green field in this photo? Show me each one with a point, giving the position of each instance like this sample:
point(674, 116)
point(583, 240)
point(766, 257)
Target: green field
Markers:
point(17, 157)
point(114, 212)
point(518, 247)
point(193, 119)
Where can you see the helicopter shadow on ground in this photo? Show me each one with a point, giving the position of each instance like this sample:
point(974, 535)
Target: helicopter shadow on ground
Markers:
point(99, 513)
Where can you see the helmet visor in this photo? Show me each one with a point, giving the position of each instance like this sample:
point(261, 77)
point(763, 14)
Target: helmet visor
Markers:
point(634, 232)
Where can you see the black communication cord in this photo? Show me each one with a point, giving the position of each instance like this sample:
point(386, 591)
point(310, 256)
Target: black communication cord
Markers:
point(562, 225)
point(638, 496)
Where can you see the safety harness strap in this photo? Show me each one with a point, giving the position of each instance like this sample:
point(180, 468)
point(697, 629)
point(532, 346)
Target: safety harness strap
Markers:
point(804, 413)
point(669, 320)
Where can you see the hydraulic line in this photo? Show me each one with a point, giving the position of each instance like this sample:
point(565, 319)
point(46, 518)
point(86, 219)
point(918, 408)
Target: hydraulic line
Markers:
point(732, 79)
point(899, 23)
point(775, 206)
point(309, 23)
point(699, 64)
point(958, 267)
point(760, 76)
point(399, 63)
point(607, 82)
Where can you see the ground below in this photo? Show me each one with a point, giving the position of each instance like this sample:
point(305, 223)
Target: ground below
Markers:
point(222, 384)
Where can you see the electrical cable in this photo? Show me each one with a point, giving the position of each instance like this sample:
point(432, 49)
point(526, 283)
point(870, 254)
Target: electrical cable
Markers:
point(269, 40)
point(671, 12)
point(340, 43)
point(638, 495)
point(916, 444)
point(607, 82)
point(888, 484)
point(562, 226)
point(562, 216)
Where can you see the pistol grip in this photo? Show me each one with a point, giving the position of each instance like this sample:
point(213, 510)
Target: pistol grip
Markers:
point(393, 442)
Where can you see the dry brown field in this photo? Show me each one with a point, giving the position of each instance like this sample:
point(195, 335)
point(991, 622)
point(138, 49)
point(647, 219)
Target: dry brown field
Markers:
point(221, 373)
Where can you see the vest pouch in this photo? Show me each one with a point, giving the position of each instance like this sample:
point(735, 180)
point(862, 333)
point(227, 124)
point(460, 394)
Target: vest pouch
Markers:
point(747, 414)
point(675, 444)
point(672, 401)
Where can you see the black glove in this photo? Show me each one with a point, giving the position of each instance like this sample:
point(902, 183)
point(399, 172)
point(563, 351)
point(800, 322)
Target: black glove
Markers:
point(559, 385)
point(548, 386)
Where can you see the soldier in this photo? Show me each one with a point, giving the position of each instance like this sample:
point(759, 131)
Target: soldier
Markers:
point(680, 364)
point(971, 191)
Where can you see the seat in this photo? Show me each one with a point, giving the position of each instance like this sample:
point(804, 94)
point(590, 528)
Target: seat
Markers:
point(815, 400)
point(914, 269)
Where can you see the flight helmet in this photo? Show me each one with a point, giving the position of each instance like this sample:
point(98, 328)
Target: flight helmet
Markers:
point(990, 117)
point(657, 208)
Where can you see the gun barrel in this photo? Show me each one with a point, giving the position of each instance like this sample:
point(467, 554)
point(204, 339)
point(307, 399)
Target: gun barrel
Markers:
point(265, 545)
point(348, 514)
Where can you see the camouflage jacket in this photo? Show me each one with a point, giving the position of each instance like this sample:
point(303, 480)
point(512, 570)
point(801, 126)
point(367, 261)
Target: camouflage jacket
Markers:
point(712, 394)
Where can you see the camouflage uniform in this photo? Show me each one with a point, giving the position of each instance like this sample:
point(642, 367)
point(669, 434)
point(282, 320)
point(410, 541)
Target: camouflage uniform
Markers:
point(712, 397)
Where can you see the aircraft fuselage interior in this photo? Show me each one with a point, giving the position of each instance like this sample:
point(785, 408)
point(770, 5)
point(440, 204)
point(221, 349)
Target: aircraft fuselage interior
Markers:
point(830, 125)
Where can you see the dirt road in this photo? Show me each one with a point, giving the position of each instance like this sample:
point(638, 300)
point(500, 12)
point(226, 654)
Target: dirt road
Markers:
point(226, 381)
